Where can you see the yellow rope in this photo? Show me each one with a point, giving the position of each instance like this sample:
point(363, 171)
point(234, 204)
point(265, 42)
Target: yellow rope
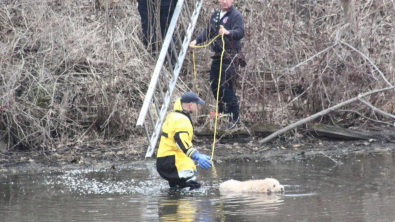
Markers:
point(194, 63)
point(216, 105)
point(219, 84)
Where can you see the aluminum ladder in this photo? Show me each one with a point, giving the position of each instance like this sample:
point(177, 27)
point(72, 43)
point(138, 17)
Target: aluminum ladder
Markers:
point(159, 92)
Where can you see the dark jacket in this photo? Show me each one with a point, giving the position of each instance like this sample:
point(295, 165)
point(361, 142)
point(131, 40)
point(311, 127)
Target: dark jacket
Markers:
point(232, 21)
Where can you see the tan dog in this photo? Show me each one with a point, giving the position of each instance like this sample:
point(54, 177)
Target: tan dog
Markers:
point(267, 185)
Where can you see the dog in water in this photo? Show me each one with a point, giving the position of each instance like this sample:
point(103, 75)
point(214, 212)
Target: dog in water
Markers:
point(267, 185)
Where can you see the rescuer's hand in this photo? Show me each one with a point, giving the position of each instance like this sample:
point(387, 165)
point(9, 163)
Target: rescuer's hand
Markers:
point(203, 160)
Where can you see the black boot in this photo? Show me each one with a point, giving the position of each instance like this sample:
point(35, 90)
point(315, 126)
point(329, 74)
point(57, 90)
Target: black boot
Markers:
point(192, 184)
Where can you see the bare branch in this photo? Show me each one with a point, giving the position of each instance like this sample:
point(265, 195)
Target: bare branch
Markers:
point(367, 58)
point(363, 116)
point(376, 109)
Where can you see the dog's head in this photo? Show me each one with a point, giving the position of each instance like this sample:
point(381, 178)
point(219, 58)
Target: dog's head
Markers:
point(275, 188)
point(279, 188)
point(272, 185)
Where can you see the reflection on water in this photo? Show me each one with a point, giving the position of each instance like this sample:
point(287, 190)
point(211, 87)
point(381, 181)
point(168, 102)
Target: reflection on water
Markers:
point(360, 189)
point(177, 209)
point(253, 204)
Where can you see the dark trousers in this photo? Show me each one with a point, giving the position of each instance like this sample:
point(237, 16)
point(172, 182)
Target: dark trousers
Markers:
point(166, 167)
point(228, 102)
point(148, 10)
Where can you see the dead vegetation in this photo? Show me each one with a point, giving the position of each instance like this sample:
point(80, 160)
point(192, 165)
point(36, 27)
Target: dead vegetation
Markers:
point(73, 72)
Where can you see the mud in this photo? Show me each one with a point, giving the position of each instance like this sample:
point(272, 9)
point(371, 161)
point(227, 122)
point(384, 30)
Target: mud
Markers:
point(239, 149)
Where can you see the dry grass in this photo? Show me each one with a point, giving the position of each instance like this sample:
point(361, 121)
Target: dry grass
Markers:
point(73, 72)
point(287, 33)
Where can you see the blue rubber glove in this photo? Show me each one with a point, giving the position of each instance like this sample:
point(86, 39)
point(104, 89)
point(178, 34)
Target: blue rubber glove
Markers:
point(203, 160)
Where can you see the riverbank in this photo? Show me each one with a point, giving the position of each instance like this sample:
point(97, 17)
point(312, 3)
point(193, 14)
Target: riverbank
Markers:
point(114, 156)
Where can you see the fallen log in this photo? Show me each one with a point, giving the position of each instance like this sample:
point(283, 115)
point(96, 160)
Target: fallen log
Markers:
point(335, 132)
point(319, 114)
point(265, 129)
point(220, 132)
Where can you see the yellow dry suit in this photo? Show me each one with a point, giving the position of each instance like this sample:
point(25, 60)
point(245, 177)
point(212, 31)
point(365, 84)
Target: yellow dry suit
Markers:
point(174, 161)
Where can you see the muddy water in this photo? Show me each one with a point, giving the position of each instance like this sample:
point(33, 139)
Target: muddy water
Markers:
point(320, 189)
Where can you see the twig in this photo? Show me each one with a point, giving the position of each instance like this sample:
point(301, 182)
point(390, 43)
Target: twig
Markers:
point(363, 116)
point(376, 109)
point(367, 58)
point(302, 63)
point(337, 162)
point(296, 98)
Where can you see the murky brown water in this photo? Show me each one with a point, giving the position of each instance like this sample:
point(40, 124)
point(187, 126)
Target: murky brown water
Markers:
point(359, 189)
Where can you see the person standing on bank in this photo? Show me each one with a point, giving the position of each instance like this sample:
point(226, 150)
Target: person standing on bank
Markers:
point(228, 21)
point(149, 10)
point(174, 161)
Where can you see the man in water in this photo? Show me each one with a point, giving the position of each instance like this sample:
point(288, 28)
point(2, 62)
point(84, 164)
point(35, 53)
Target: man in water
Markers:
point(174, 161)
